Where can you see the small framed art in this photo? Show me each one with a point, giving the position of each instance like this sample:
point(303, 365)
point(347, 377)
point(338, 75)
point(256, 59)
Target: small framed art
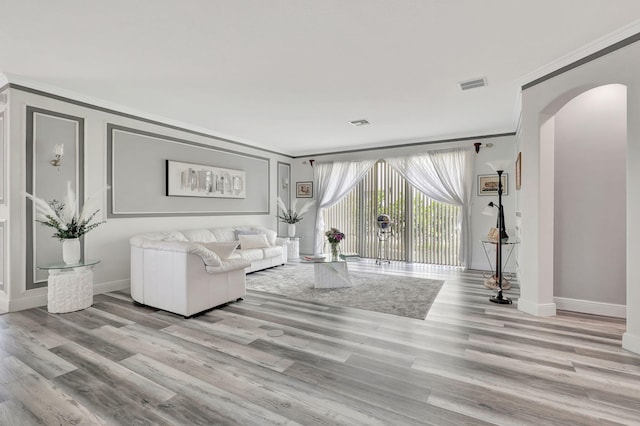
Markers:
point(488, 184)
point(304, 189)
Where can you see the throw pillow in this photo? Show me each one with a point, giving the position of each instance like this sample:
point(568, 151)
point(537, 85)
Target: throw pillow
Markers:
point(223, 249)
point(271, 235)
point(253, 241)
point(248, 232)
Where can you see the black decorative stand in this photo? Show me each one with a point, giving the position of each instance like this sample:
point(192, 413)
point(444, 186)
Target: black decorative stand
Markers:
point(499, 298)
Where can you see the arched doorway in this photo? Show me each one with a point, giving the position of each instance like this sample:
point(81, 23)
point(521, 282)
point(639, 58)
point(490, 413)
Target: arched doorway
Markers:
point(583, 139)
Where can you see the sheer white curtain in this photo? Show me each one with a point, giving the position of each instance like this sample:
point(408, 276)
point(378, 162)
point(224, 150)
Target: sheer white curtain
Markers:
point(333, 181)
point(446, 176)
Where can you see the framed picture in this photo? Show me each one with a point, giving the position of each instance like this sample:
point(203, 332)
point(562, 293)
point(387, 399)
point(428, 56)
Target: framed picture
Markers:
point(488, 184)
point(519, 171)
point(198, 180)
point(304, 189)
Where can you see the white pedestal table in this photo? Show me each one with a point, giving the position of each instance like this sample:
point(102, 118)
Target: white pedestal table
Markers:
point(70, 286)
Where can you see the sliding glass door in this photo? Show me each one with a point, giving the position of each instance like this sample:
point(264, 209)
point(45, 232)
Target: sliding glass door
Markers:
point(424, 230)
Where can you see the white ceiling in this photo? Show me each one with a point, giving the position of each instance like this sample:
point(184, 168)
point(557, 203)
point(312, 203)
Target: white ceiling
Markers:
point(288, 75)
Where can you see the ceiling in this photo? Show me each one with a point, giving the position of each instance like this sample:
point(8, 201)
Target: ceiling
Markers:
point(289, 75)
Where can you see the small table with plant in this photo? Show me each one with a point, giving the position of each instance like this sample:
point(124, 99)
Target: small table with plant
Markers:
point(290, 216)
point(70, 284)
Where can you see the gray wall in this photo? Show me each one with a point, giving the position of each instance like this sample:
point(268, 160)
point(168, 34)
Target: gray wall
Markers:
point(284, 191)
point(2, 200)
point(109, 242)
point(590, 196)
point(45, 129)
point(137, 175)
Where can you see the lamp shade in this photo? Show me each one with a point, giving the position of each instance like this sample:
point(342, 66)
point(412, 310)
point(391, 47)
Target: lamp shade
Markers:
point(501, 165)
point(490, 210)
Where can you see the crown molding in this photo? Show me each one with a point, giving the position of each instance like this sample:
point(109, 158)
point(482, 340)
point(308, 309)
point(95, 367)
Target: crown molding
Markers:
point(53, 92)
point(578, 56)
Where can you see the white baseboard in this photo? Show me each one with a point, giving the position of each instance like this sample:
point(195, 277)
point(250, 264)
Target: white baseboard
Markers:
point(111, 286)
point(591, 307)
point(4, 303)
point(29, 302)
point(37, 300)
point(537, 309)
point(631, 342)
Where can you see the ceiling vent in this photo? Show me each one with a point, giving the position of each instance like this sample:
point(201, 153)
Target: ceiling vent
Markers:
point(473, 84)
point(359, 123)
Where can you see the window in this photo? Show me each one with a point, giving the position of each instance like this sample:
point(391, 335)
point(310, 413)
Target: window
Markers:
point(424, 230)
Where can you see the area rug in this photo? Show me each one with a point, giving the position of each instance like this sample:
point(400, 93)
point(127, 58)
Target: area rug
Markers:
point(403, 296)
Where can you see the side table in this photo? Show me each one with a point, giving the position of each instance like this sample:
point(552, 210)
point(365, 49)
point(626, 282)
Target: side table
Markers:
point(490, 281)
point(70, 286)
point(293, 248)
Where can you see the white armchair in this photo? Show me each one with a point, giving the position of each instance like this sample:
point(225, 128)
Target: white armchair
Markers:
point(183, 277)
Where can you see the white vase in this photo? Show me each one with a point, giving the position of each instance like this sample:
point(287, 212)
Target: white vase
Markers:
point(291, 230)
point(71, 251)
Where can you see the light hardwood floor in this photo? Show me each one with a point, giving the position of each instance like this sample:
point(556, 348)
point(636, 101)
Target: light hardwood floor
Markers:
point(470, 362)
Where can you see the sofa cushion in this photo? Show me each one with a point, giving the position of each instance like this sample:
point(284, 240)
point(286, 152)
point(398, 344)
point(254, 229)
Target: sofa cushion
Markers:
point(224, 234)
point(223, 249)
point(243, 231)
point(253, 241)
point(140, 240)
point(271, 234)
point(272, 251)
point(199, 235)
point(228, 265)
point(209, 257)
point(251, 254)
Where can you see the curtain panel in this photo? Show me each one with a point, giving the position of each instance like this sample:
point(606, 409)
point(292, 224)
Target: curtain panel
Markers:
point(333, 181)
point(445, 176)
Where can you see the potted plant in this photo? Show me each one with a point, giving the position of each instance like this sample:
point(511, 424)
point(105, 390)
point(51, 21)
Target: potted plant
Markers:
point(291, 216)
point(69, 226)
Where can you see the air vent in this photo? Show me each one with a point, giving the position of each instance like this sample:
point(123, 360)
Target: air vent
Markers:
point(473, 84)
point(358, 123)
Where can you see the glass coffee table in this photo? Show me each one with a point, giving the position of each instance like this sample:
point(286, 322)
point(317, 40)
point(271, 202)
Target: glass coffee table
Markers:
point(329, 273)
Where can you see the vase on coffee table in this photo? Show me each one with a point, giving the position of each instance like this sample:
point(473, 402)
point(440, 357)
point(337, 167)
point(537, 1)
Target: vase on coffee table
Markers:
point(334, 251)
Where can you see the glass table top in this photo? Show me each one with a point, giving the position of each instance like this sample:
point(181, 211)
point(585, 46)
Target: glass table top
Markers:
point(320, 259)
point(504, 243)
point(63, 265)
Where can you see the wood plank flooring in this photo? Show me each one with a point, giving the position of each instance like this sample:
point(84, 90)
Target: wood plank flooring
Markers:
point(470, 362)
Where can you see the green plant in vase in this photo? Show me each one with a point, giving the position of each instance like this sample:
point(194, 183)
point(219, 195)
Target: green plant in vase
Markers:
point(68, 224)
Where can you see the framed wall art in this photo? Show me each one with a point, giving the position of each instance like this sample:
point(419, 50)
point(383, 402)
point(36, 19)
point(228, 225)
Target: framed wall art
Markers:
point(488, 184)
point(304, 189)
point(198, 180)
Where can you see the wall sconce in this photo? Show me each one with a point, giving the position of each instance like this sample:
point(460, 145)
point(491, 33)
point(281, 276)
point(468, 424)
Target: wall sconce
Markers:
point(58, 151)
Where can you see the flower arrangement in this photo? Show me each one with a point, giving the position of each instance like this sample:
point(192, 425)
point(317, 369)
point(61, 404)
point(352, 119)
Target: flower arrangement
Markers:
point(61, 215)
point(292, 216)
point(334, 236)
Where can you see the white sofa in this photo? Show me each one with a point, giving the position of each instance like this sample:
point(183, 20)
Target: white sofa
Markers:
point(187, 272)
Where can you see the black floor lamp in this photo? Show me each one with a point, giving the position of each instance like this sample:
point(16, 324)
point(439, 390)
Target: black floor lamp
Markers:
point(499, 167)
